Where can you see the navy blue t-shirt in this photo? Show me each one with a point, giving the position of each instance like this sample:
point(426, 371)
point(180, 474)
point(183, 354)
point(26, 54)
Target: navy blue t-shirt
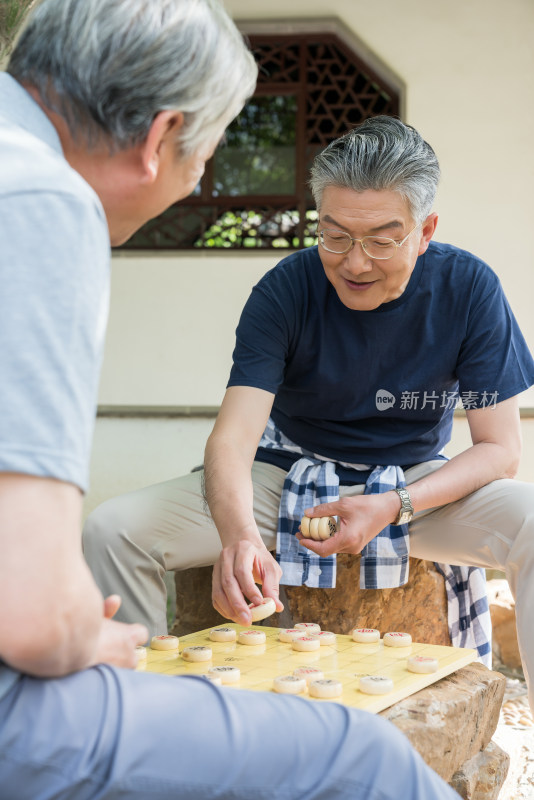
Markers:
point(379, 387)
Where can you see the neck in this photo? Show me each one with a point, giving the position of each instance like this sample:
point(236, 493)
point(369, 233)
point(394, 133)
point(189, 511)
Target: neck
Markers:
point(107, 172)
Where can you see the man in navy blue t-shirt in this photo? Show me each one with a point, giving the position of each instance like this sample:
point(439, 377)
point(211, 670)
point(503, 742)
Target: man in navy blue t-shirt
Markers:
point(349, 362)
point(370, 339)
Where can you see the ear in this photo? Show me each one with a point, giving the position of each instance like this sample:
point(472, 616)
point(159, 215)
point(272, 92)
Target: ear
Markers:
point(427, 232)
point(160, 143)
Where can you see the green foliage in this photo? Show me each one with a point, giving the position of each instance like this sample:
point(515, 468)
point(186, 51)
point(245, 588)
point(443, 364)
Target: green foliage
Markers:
point(251, 229)
point(12, 14)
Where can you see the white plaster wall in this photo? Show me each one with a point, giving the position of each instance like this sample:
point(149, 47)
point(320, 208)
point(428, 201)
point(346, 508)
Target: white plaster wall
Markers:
point(131, 453)
point(171, 328)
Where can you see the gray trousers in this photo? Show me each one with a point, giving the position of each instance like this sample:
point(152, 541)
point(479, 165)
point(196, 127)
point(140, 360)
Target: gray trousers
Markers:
point(131, 541)
point(110, 734)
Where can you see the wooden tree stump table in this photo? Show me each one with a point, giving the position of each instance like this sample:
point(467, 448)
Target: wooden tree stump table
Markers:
point(419, 607)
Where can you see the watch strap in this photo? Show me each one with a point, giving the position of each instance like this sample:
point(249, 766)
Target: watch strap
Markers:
point(406, 510)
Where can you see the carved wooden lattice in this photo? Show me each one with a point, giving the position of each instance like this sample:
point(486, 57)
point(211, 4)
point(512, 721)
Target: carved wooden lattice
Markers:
point(315, 89)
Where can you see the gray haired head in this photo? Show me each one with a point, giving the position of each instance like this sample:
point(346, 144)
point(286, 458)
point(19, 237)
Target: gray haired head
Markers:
point(109, 66)
point(380, 154)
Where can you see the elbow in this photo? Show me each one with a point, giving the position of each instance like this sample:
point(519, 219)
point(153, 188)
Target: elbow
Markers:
point(210, 444)
point(213, 443)
point(221, 446)
point(39, 649)
point(27, 648)
point(512, 461)
point(512, 469)
point(58, 641)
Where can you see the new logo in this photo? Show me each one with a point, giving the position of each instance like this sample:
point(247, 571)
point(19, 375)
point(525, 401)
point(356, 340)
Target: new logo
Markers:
point(384, 400)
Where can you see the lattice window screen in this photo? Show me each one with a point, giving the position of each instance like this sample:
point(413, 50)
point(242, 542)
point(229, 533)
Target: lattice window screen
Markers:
point(311, 89)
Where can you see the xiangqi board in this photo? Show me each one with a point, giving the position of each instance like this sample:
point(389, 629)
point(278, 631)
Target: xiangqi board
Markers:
point(345, 661)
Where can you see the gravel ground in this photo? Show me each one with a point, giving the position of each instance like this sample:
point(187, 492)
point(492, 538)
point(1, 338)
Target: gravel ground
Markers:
point(515, 735)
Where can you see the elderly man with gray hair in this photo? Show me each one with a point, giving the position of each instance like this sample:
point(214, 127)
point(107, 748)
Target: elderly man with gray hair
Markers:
point(107, 114)
point(349, 361)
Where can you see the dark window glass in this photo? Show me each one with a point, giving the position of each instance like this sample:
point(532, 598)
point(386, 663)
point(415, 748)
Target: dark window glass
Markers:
point(258, 156)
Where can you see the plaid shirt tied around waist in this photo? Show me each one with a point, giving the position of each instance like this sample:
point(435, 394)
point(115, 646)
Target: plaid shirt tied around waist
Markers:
point(313, 480)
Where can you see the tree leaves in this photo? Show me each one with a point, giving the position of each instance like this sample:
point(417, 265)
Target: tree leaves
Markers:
point(12, 14)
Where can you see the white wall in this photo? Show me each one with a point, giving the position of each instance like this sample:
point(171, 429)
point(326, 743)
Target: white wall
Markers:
point(131, 453)
point(171, 329)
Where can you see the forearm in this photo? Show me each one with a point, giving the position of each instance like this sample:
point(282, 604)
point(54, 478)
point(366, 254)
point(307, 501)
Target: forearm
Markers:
point(495, 453)
point(78, 628)
point(52, 610)
point(465, 473)
point(228, 459)
point(244, 561)
point(362, 517)
point(65, 638)
point(229, 490)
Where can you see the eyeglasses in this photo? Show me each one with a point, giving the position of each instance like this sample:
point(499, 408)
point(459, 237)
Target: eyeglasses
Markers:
point(378, 247)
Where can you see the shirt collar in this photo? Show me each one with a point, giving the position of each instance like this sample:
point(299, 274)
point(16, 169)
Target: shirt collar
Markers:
point(25, 112)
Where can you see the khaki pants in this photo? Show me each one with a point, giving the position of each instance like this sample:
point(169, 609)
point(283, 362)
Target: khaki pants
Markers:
point(132, 540)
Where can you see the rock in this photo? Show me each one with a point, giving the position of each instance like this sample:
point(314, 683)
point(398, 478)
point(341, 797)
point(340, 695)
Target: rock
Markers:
point(502, 610)
point(452, 720)
point(482, 777)
point(419, 607)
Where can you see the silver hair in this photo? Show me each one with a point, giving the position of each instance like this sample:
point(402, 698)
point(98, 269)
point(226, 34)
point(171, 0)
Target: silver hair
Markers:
point(380, 153)
point(109, 66)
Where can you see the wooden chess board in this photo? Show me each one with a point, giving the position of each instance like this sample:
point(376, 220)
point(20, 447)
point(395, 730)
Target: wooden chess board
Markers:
point(346, 661)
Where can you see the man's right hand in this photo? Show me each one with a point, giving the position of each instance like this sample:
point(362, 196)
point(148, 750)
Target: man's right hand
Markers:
point(117, 641)
point(239, 568)
point(230, 453)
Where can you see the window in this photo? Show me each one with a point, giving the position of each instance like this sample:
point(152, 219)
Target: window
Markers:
point(311, 89)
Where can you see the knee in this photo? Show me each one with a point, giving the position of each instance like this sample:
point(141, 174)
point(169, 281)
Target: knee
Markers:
point(102, 530)
point(379, 740)
point(518, 497)
point(383, 741)
point(390, 751)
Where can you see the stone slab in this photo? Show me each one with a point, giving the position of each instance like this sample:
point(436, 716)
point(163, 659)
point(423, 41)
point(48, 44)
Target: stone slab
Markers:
point(483, 776)
point(451, 721)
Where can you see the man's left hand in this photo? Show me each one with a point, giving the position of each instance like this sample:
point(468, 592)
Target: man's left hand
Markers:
point(361, 518)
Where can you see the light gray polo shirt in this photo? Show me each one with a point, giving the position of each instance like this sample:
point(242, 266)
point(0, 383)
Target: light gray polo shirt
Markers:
point(54, 297)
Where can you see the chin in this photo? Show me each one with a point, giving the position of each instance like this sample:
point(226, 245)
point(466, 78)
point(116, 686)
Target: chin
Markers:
point(121, 237)
point(359, 303)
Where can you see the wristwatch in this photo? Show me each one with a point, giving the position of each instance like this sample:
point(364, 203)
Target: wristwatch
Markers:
point(406, 510)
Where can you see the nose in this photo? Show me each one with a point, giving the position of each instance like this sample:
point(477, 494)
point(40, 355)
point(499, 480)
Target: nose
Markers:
point(357, 260)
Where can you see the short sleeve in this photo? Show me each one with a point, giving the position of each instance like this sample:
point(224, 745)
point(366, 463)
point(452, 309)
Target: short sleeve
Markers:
point(54, 271)
point(264, 334)
point(494, 363)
